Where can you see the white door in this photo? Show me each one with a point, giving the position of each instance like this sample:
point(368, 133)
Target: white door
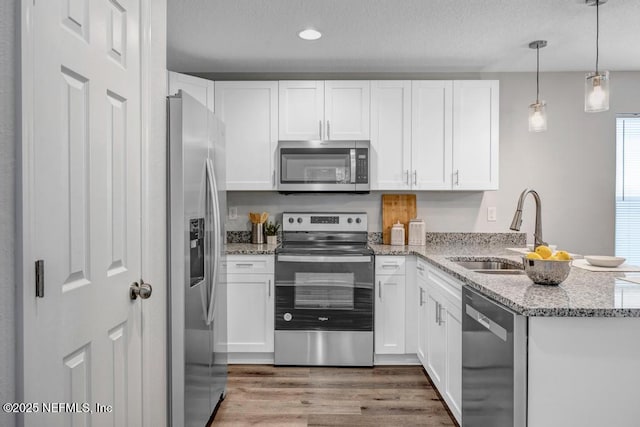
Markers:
point(475, 134)
point(423, 314)
point(301, 110)
point(250, 314)
point(436, 351)
point(249, 111)
point(82, 340)
point(391, 135)
point(431, 137)
point(389, 314)
point(347, 106)
point(453, 377)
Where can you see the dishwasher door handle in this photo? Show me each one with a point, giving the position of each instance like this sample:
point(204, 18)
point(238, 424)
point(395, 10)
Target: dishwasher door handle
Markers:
point(486, 322)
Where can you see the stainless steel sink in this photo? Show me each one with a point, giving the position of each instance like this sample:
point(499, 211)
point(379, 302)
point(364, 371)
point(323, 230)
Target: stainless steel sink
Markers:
point(491, 267)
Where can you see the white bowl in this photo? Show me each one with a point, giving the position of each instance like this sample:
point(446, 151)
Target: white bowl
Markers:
point(604, 261)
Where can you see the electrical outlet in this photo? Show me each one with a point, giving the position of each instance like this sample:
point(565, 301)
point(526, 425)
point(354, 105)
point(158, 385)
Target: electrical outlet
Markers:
point(491, 213)
point(233, 213)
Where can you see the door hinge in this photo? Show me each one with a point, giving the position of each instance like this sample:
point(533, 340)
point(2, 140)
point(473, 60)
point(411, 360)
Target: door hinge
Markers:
point(40, 278)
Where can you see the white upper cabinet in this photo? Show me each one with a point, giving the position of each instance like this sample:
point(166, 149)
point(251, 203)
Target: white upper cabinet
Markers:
point(198, 88)
point(346, 109)
point(391, 166)
point(329, 110)
point(249, 111)
point(475, 134)
point(431, 134)
point(301, 108)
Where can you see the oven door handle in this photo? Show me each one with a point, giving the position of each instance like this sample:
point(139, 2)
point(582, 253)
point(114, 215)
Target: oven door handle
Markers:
point(315, 258)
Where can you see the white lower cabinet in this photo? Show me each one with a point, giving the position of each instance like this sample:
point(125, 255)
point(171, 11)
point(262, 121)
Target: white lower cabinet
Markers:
point(389, 308)
point(250, 304)
point(440, 332)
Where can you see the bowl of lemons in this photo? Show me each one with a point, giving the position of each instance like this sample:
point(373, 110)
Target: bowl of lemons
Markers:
point(546, 267)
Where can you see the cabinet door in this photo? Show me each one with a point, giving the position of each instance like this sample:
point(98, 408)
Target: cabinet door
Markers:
point(436, 350)
point(250, 322)
point(475, 134)
point(301, 110)
point(390, 135)
point(249, 111)
point(346, 109)
point(431, 138)
point(389, 314)
point(422, 322)
point(453, 378)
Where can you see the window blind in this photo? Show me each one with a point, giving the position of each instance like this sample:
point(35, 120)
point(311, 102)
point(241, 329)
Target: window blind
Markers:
point(628, 189)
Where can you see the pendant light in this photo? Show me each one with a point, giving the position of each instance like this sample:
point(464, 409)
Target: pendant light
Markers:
point(596, 85)
point(538, 110)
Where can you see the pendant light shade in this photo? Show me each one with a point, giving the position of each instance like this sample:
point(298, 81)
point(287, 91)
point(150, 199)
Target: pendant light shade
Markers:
point(596, 84)
point(538, 110)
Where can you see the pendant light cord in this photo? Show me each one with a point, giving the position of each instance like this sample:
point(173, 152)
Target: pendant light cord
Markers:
point(597, 33)
point(538, 73)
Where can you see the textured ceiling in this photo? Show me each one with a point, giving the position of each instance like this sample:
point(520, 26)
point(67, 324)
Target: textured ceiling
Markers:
point(227, 36)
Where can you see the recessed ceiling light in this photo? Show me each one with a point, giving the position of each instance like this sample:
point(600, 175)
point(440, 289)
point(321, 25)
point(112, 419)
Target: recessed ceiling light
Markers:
point(309, 34)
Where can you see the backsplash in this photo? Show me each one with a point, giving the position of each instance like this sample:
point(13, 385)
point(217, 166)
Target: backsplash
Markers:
point(516, 240)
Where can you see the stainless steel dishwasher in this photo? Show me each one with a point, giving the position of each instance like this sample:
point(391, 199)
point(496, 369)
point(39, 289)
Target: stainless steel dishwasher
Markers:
point(494, 363)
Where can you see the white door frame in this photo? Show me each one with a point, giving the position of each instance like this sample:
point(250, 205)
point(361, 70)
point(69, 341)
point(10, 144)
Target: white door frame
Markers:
point(153, 203)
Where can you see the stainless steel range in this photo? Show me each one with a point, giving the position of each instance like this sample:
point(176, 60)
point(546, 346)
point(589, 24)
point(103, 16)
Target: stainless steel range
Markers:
point(324, 278)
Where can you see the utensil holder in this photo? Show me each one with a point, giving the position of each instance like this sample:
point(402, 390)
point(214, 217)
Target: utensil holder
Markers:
point(257, 233)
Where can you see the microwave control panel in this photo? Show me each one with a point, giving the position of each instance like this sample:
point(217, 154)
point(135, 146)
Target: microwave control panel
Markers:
point(362, 166)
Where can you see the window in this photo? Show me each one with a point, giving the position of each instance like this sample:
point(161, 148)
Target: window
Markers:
point(628, 188)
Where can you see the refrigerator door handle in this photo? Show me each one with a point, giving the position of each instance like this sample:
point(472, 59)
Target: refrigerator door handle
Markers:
point(213, 194)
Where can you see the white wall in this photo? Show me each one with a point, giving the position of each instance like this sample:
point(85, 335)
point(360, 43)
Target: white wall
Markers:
point(8, 83)
point(571, 165)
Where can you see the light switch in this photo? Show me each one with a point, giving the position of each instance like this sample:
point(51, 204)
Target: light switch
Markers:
point(491, 213)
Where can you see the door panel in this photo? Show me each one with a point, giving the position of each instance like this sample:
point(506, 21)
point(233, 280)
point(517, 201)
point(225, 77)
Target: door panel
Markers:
point(347, 109)
point(250, 313)
point(301, 110)
point(436, 351)
point(389, 314)
point(82, 341)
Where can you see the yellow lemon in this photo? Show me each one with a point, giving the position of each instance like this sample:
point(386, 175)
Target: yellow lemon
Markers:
point(533, 255)
point(563, 256)
point(543, 251)
point(553, 258)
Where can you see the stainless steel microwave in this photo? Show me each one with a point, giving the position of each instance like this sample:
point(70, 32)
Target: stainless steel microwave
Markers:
point(323, 166)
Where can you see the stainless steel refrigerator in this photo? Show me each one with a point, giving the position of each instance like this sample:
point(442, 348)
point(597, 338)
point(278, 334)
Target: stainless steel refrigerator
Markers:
point(196, 268)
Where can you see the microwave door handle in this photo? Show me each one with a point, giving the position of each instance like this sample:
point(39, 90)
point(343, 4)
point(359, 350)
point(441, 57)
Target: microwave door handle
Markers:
point(352, 153)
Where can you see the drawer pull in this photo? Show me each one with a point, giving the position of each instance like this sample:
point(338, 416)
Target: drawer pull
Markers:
point(245, 265)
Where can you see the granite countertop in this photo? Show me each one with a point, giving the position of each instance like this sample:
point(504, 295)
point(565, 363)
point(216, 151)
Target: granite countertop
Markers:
point(249, 249)
point(582, 294)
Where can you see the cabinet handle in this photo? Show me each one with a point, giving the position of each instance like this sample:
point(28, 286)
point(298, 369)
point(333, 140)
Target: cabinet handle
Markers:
point(420, 268)
point(437, 312)
point(457, 177)
point(406, 174)
point(415, 177)
point(421, 293)
point(319, 129)
point(269, 288)
point(390, 266)
point(441, 319)
point(379, 289)
point(244, 265)
point(328, 130)
point(273, 179)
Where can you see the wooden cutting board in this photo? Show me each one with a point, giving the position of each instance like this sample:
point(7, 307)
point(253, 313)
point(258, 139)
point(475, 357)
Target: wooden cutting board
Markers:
point(397, 207)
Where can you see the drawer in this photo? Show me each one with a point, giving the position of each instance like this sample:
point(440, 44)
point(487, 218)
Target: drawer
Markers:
point(250, 264)
point(421, 269)
point(446, 285)
point(390, 265)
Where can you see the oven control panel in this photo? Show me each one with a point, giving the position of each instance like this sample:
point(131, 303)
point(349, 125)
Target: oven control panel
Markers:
point(326, 221)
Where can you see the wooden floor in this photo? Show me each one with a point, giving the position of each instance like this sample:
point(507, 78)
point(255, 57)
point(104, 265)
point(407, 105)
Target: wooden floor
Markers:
point(284, 396)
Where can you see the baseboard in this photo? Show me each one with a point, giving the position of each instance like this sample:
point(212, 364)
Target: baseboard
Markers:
point(395, 359)
point(240, 358)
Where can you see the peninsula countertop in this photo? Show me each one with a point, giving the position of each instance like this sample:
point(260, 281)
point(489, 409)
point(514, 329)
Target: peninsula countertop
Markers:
point(582, 294)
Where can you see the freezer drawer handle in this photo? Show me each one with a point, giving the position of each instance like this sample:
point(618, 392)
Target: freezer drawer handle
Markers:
point(485, 321)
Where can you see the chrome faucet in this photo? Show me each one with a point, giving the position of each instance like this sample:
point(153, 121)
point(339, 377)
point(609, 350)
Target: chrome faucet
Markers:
point(517, 217)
